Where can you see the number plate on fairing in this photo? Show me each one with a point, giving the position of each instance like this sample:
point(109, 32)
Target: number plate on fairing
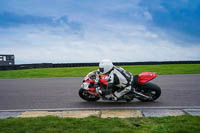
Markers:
point(85, 85)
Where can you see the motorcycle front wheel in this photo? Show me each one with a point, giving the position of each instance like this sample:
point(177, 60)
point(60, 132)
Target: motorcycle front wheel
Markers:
point(87, 96)
point(149, 89)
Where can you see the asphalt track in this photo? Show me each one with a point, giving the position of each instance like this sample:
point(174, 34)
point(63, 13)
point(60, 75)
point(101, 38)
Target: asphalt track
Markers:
point(178, 91)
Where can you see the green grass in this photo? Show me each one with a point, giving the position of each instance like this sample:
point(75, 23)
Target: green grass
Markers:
point(82, 71)
point(50, 124)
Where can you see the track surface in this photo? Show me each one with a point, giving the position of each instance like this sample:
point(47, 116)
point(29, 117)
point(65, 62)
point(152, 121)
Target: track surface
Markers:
point(51, 93)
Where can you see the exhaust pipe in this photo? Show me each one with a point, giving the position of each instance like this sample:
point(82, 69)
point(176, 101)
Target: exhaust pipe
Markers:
point(141, 95)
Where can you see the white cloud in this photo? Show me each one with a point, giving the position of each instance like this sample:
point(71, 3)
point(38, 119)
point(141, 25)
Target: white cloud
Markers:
point(119, 42)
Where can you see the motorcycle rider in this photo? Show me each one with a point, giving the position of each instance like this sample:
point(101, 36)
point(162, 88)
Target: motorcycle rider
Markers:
point(118, 77)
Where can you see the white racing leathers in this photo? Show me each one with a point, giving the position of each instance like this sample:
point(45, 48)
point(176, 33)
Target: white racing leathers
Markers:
point(120, 78)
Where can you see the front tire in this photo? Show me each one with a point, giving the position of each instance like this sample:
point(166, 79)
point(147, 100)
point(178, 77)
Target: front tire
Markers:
point(149, 89)
point(87, 96)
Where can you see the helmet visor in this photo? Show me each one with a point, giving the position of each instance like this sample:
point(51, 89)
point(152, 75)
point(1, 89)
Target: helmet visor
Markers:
point(101, 70)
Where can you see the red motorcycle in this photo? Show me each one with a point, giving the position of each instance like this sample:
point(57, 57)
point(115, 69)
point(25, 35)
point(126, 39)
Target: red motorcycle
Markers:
point(94, 84)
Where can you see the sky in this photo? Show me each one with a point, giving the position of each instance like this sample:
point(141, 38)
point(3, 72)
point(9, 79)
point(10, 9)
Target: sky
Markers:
point(74, 31)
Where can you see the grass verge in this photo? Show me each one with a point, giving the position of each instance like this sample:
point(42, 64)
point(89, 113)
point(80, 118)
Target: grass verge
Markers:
point(82, 71)
point(50, 124)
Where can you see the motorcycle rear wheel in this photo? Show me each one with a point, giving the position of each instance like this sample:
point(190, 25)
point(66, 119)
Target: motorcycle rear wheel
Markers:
point(150, 89)
point(87, 96)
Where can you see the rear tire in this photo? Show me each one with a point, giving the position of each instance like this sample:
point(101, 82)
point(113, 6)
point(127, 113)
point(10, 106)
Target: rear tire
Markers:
point(87, 96)
point(149, 89)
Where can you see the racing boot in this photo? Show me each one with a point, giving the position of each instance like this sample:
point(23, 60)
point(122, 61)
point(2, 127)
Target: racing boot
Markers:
point(123, 92)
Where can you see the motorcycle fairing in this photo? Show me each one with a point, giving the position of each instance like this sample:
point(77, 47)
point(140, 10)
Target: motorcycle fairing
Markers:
point(146, 77)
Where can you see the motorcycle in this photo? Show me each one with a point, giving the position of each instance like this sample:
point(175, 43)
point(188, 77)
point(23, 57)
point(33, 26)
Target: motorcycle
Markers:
point(94, 84)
